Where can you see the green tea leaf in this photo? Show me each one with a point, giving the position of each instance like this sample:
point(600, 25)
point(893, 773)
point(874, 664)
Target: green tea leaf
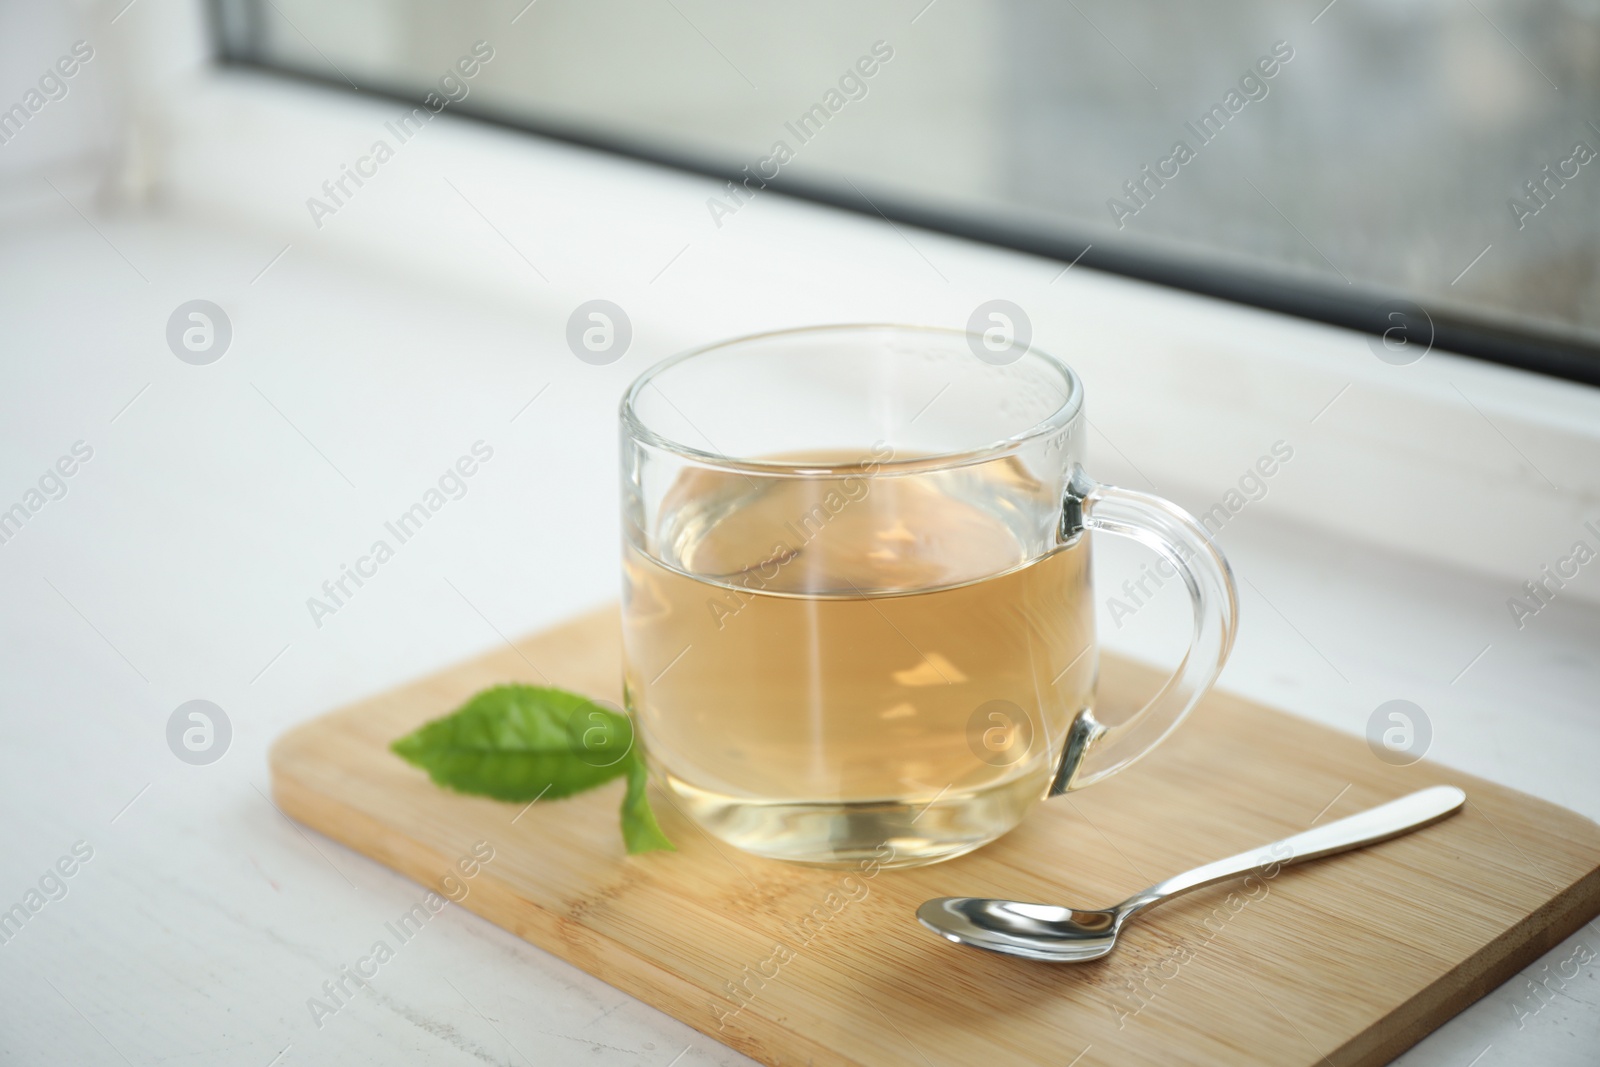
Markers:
point(640, 832)
point(527, 742)
point(522, 742)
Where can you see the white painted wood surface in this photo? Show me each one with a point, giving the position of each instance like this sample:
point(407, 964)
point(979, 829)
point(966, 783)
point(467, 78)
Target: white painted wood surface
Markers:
point(179, 563)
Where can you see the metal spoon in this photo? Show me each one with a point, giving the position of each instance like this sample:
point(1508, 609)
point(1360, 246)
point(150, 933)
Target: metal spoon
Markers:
point(1067, 935)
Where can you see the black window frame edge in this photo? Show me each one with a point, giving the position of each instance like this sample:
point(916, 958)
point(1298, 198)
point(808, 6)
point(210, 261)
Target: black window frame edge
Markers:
point(1370, 313)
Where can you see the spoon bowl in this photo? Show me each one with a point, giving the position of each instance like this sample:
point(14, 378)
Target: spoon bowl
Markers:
point(1072, 935)
point(1032, 931)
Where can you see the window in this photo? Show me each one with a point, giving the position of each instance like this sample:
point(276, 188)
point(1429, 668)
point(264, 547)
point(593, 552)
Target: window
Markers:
point(1390, 165)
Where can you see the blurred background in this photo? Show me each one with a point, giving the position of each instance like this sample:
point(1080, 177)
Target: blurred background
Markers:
point(1395, 151)
point(1382, 155)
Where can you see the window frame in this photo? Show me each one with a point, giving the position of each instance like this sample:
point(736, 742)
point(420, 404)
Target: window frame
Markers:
point(234, 26)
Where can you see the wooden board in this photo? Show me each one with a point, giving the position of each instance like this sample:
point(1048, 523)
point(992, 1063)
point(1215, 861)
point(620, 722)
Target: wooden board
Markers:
point(1346, 961)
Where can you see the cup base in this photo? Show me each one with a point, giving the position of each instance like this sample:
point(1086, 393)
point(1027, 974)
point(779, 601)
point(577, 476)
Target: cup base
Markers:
point(853, 834)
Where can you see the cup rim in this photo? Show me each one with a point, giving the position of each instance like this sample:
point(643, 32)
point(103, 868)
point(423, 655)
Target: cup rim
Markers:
point(1068, 410)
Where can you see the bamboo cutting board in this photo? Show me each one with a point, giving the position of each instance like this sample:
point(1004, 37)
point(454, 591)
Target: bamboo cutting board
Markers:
point(1346, 961)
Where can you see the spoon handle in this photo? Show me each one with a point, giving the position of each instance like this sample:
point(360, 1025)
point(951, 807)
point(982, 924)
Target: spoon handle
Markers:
point(1397, 817)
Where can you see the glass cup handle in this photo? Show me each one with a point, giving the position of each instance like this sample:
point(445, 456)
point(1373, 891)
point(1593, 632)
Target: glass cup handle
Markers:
point(1093, 750)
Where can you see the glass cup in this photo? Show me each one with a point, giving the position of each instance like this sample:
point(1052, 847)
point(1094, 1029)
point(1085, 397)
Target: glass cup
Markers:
point(858, 620)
